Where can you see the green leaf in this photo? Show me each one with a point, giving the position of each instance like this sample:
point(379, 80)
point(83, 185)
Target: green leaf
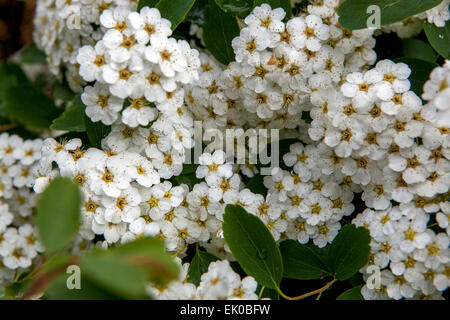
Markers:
point(253, 246)
point(151, 254)
point(32, 55)
point(71, 120)
point(146, 3)
point(351, 294)
point(270, 293)
point(256, 185)
point(63, 92)
point(58, 214)
point(199, 265)
point(413, 48)
point(29, 106)
point(349, 251)
point(57, 290)
point(189, 179)
point(420, 72)
point(353, 13)
point(189, 168)
point(96, 131)
point(197, 13)
point(301, 262)
point(356, 279)
point(285, 4)
point(11, 74)
point(17, 288)
point(174, 10)
point(117, 277)
point(439, 38)
point(126, 269)
point(218, 31)
point(240, 8)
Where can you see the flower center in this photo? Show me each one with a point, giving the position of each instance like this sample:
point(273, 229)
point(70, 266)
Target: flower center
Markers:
point(124, 74)
point(153, 78)
point(138, 103)
point(266, 22)
point(103, 101)
point(165, 55)
point(99, 61)
point(251, 46)
point(309, 32)
point(121, 26)
point(90, 206)
point(79, 180)
point(108, 177)
point(149, 28)
point(346, 135)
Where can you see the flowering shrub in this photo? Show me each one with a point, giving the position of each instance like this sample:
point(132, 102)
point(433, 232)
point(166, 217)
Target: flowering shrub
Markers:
point(99, 170)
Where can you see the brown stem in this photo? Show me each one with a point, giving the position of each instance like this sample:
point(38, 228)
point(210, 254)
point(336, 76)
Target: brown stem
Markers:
point(6, 127)
point(43, 280)
point(308, 294)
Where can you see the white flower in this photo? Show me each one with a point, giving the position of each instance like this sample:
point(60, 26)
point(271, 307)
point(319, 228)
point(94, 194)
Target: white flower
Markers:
point(110, 179)
point(141, 169)
point(92, 60)
point(148, 24)
point(249, 44)
point(307, 32)
point(138, 113)
point(29, 152)
point(166, 53)
point(100, 104)
point(123, 208)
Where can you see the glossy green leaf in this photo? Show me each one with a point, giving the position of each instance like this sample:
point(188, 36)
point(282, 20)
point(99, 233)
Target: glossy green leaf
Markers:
point(420, 72)
point(439, 38)
point(256, 185)
point(253, 246)
point(240, 8)
point(353, 13)
point(218, 31)
point(96, 131)
point(58, 214)
point(351, 294)
point(348, 252)
point(199, 265)
point(174, 10)
point(413, 48)
point(27, 105)
point(71, 120)
point(146, 3)
point(301, 262)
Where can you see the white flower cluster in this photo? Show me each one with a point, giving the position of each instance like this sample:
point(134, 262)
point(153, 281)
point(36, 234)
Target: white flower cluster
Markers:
point(370, 137)
point(278, 65)
point(135, 60)
point(19, 165)
point(220, 282)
